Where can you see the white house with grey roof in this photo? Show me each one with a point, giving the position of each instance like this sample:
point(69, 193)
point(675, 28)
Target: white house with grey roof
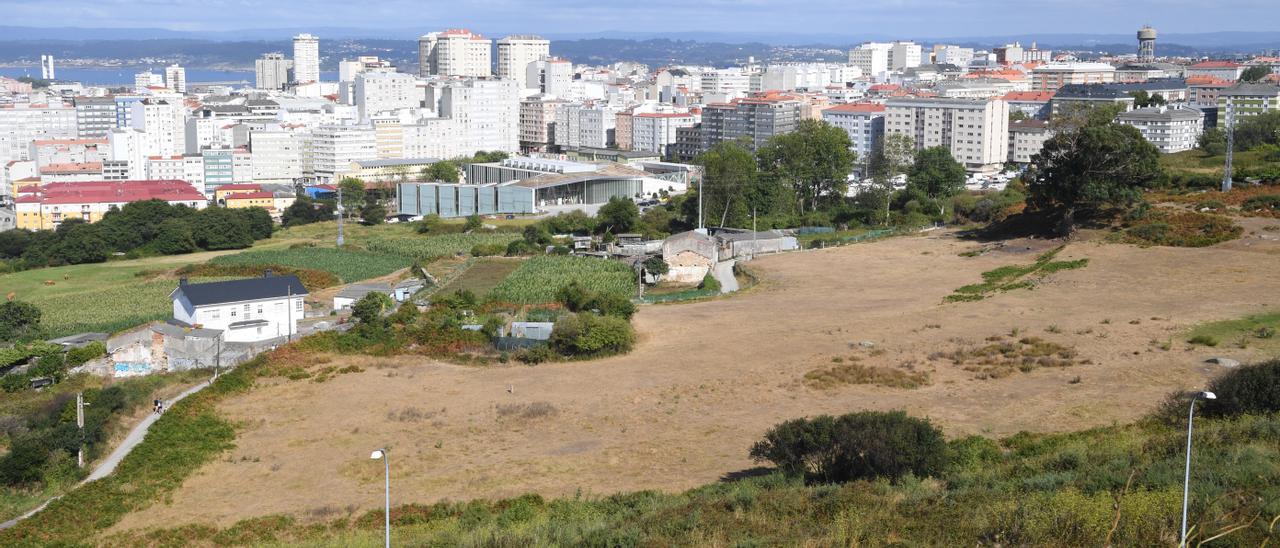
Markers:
point(247, 310)
point(1169, 129)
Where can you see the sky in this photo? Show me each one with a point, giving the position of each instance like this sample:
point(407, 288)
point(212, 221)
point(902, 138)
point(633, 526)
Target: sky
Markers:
point(899, 18)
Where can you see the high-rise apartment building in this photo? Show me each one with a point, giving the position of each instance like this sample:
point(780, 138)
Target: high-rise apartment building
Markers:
point(376, 92)
point(537, 118)
point(21, 124)
point(904, 55)
point(333, 148)
point(277, 155)
point(515, 52)
point(655, 131)
point(175, 78)
point(976, 131)
point(454, 52)
point(46, 68)
point(584, 126)
point(864, 122)
point(306, 58)
point(95, 116)
point(756, 119)
point(272, 71)
point(552, 76)
point(145, 80)
point(164, 126)
point(872, 58)
point(486, 112)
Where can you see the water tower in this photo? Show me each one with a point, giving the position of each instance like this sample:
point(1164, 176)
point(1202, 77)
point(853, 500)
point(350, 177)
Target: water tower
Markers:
point(1146, 44)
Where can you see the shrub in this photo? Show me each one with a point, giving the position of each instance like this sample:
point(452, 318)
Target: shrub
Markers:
point(589, 335)
point(536, 355)
point(489, 250)
point(80, 355)
point(578, 298)
point(370, 307)
point(709, 283)
point(1248, 389)
point(865, 445)
point(1205, 340)
point(1268, 203)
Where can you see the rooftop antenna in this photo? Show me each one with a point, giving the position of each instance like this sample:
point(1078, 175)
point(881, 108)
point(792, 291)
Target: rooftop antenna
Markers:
point(1231, 141)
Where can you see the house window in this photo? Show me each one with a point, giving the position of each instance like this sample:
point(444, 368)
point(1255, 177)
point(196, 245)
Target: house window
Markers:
point(298, 305)
point(259, 309)
point(214, 314)
point(233, 311)
point(246, 311)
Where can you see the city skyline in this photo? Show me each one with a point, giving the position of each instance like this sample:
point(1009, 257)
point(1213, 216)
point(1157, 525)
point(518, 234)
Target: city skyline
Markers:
point(825, 17)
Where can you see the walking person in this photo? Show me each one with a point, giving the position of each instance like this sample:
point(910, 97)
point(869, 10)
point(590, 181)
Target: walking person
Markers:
point(155, 405)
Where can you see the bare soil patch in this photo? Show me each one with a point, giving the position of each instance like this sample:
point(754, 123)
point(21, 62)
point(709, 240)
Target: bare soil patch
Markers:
point(708, 378)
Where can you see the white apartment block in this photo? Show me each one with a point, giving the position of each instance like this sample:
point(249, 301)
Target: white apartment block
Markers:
point(789, 77)
point(277, 155)
point(730, 82)
point(388, 131)
point(434, 138)
point(976, 131)
point(654, 131)
point(904, 55)
point(1052, 76)
point(584, 126)
point(515, 52)
point(306, 58)
point(952, 55)
point(333, 148)
point(551, 76)
point(175, 78)
point(864, 122)
point(454, 52)
point(125, 145)
point(872, 58)
point(378, 92)
point(537, 117)
point(271, 71)
point(23, 123)
point(487, 112)
point(168, 168)
point(1026, 139)
point(1169, 129)
point(163, 124)
point(143, 81)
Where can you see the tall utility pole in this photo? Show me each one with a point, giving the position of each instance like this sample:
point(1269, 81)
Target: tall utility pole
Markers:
point(701, 228)
point(80, 425)
point(340, 214)
point(1231, 145)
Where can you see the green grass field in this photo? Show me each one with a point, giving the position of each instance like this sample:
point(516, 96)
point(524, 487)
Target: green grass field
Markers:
point(348, 264)
point(483, 276)
point(538, 279)
point(1256, 331)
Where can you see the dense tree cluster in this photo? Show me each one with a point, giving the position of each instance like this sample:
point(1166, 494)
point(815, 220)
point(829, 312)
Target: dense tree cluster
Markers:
point(151, 227)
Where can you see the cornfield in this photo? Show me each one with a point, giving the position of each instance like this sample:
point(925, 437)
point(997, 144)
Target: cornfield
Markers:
point(428, 248)
point(538, 279)
point(349, 265)
point(109, 309)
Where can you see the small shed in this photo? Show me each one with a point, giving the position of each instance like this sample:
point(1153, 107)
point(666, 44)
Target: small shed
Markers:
point(689, 256)
point(744, 244)
point(354, 292)
point(539, 331)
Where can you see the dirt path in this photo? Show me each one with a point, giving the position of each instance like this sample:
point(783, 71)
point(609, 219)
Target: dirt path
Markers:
point(107, 466)
point(707, 379)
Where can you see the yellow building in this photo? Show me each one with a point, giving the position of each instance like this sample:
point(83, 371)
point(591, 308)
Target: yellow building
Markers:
point(53, 203)
point(263, 199)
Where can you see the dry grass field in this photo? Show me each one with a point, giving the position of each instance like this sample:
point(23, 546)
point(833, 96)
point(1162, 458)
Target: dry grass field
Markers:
point(707, 379)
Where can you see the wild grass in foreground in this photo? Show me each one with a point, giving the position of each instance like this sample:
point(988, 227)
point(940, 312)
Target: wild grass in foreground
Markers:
point(1119, 486)
point(1008, 278)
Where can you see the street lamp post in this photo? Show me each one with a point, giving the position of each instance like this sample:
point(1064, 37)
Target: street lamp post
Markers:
point(386, 462)
point(1186, 479)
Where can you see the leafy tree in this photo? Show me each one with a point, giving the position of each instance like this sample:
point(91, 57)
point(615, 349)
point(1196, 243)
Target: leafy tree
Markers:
point(444, 170)
point(482, 157)
point(936, 174)
point(352, 190)
point(618, 216)
point(656, 266)
point(865, 445)
point(258, 221)
point(1213, 141)
point(13, 243)
point(174, 237)
point(1073, 116)
point(814, 161)
point(1018, 115)
point(894, 155)
point(729, 177)
point(473, 223)
point(369, 309)
point(304, 210)
point(1142, 99)
point(1255, 73)
point(1259, 129)
point(80, 242)
point(1086, 169)
point(18, 320)
point(373, 213)
point(221, 228)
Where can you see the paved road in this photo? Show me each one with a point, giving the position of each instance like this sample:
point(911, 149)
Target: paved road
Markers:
point(723, 273)
point(106, 467)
